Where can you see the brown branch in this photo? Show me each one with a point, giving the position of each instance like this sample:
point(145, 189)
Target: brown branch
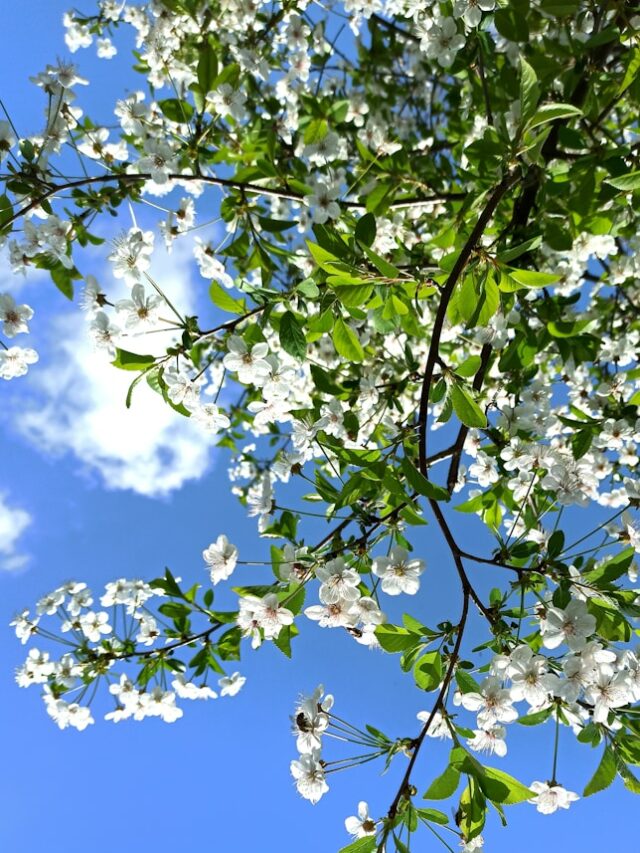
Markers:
point(254, 189)
point(439, 703)
point(458, 446)
point(463, 258)
point(456, 553)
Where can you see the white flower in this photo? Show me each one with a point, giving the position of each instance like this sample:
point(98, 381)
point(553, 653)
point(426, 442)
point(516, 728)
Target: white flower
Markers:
point(104, 332)
point(322, 203)
point(35, 670)
point(438, 726)
point(148, 631)
point(105, 48)
point(258, 616)
point(362, 825)
point(472, 846)
point(231, 684)
point(25, 627)
point(131, 255)
point(126, 693)
point(342, 614)
point(251, 366)
point(398, 573)
point(65, 714)
point(158, 703)
point(183, 389)
point(471, 10)
point(13, 317)
point(489, 740)
point(339, 583)
point(15, 361)
point(226, 100)
point(7, 139)
point(221, 557)
point(606, 692)
point(159, 161)
point(210, 266)
point(50, 602)
point(209, 416)
point(260, 500)
point(551, 797)
point(528, 676)
point(484, 470)
point(493, 703)
point(442, 41)
point(311, 720)
point(187, 690)
point(140, 311)
point(94, 625)
point(309, 775)
point(572, 626)
point(92, 298)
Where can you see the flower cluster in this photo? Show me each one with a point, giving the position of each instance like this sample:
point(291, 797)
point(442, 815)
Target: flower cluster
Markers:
point(310, 722)
point(14, 361)
point(100, 646)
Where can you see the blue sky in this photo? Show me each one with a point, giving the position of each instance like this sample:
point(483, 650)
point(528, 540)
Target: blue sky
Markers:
point(219, 777)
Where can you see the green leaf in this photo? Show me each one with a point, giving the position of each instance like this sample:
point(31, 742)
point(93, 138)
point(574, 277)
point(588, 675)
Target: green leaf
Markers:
point(326, 260)
point(352, 296)
point(292, 336)
point(561, 8)
point(626, 183)
point(366, 229)
point(532, 278)
point(633, 66)
point(469, 366)
point(176, 109)
point(433, 816)
point(567, 328)
point(427, 671)
point(515, 251)
point(512, 24)
point(283, 640)
point(535, 719)
point(316, 131)
point(444, 786)
point(466, 408)
point(363, 845)
point(223, 299)
point(275, 225)
point(580, 443)
point(613, 569)
point(553, 112)
point(420, 484)
point(529, 90)
point(309, 288)
point(610, 623)
point(346, 341)
point(132, 361)
point(6, 210)
point(384, 267)
point(630, 781)
point(207, 68)
point(472, 810)
point(466, 682)
point(131, 388)
point(499, 787)
point(604, 775)
point(331, 240)
point(394, 639)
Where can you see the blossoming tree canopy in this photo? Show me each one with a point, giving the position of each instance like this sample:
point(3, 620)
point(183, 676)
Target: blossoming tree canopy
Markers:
point(417, 224)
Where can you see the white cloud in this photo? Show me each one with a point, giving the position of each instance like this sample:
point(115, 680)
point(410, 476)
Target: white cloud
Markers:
point(149, 448)
point(13, 523)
